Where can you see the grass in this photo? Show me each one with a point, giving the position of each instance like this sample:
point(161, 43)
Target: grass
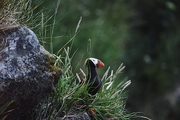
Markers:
point(17, 12)
point(4, 110)
point(71, 99)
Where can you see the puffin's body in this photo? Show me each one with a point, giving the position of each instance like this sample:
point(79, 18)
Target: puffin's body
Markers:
point(93, 78)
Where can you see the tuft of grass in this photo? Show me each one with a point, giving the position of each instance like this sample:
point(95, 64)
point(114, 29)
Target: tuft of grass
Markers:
point(110, 102)
point(18, 12)
point(71, 99)
point(67, 93)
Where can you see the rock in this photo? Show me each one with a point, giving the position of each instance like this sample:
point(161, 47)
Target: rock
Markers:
point(27, 71)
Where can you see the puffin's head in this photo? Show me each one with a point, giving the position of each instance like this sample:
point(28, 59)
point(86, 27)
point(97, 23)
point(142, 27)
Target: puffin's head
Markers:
point(97, 63)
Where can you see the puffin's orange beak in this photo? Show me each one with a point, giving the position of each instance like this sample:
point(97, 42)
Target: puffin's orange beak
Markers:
point(100, 64)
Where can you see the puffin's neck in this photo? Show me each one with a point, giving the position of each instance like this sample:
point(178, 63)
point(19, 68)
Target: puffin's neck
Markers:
point(92, 74)
point(93, 80)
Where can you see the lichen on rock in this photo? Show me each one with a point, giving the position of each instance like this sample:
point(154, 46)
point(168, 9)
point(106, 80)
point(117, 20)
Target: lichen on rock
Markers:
point(27, 71)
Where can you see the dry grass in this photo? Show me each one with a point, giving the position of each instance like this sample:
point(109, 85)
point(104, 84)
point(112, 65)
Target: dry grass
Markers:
point(16, 12)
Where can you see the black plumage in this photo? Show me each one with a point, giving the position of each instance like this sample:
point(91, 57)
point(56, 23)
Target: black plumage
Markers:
point(93, 80)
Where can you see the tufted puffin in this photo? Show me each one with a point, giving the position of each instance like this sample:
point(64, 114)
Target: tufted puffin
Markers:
point(93, 80)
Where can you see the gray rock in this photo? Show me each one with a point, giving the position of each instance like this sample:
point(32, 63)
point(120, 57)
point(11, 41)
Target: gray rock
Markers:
point(27, 71)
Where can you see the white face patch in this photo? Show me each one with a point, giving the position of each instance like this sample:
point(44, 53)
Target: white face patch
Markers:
point(94, 60)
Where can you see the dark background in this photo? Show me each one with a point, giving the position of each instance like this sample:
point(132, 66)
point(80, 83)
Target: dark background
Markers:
point(142, 34)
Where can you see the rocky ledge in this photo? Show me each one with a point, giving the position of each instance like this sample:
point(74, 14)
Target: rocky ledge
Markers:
point(27, 71)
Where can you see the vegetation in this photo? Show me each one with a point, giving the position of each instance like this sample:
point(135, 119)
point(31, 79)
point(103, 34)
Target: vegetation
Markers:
point(144, 35)
point(70, 98)
point(17, 12)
